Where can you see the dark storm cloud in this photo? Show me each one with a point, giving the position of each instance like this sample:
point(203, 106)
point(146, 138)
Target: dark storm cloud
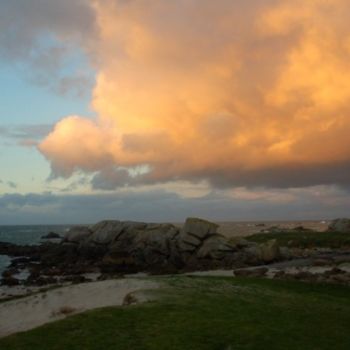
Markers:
point(164, 206)
point(283, 177)
point(279, 177)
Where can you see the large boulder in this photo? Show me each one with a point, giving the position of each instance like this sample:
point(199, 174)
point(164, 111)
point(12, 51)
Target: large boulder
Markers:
point(156, 237)
point(106, 231)
point(262, 253)
point(215, 247)
point(270, 251)
point(199, 228)
point(193, 232)
point(148, 246)
point(340, 225)
point(76, 234)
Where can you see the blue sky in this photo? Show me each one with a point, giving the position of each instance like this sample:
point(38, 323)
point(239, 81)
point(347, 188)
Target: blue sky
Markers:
point(24, 104)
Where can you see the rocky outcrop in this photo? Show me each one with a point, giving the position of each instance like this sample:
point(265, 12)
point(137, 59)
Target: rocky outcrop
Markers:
point(77, 234)
point(340, 225)
point(51, 235)
point(114, 247)
point(120, 246)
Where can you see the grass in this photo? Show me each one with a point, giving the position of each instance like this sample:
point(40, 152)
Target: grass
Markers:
point(208, 313)
point(305, 239)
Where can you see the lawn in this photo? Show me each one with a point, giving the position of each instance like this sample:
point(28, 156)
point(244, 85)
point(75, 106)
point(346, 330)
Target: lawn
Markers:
point(208, 313)
point(305, 239)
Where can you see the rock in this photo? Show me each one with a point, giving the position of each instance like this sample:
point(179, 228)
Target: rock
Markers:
point(334, 271)
point(340, 225)
point(215, 247)
point(22, 261)
point(10, 281)
point(341, 259)
point(108, 231)
point(157, 237)
point(67, 252)
point(42, 281)
point(91, 251)
point(322, 262)
point(77, 234)
point(51, 235)
point(130, 299)
point(188, 244)
point(138, 297)
point(199, 228)
point(285, 253)
point(241, 243)
point(344, 266)
point(257, 272)
point(265, 252)
point(252, 255)
point(10, 272)
point(305, 276)
point(194, 232)
point(279, 274)
point(153, 246)
point(270, 251)
point(341, 278)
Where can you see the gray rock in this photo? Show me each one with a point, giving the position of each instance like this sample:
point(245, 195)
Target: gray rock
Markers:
point(194, 232)
point(215, 247)
point(153, 246)
point(340, 225)
point(265, 253)
point(106, 231)
point(199, 228)
point(285, 253)
point(77, 234)
point(186, 246)
point(322, 262)
point(190, 240)
point(253, 252)
point(270, 251)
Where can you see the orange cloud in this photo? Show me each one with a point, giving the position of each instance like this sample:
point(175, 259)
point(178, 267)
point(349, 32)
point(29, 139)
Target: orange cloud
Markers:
point(227, 91)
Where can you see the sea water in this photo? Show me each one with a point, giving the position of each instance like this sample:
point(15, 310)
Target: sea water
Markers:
point(22, 235)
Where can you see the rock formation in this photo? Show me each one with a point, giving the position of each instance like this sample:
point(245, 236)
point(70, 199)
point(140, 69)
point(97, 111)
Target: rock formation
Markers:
point(114, 247)
point(340, 225)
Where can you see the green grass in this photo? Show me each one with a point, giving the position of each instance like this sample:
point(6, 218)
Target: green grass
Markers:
point(208, 313)
point(305, 239)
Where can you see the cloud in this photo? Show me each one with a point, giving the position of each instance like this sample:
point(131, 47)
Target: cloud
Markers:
point(12, 184)
point(45, 41)
point(9, 184)
point(320, 202)
point(27, 135)
point(233, 92)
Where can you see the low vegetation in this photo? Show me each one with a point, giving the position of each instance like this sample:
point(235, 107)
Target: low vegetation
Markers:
point(208, 313)
point(305, 239)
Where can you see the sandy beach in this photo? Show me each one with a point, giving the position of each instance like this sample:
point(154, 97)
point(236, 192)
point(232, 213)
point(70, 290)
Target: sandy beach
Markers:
point(33, 311)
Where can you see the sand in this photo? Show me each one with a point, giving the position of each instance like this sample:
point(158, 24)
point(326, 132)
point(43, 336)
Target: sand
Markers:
point(33, 311)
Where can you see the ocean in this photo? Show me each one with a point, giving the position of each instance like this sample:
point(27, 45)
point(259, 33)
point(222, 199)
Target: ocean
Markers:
point(26, 235)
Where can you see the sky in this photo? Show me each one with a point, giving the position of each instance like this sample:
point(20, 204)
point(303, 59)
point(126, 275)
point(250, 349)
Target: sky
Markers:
point(158, 110)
